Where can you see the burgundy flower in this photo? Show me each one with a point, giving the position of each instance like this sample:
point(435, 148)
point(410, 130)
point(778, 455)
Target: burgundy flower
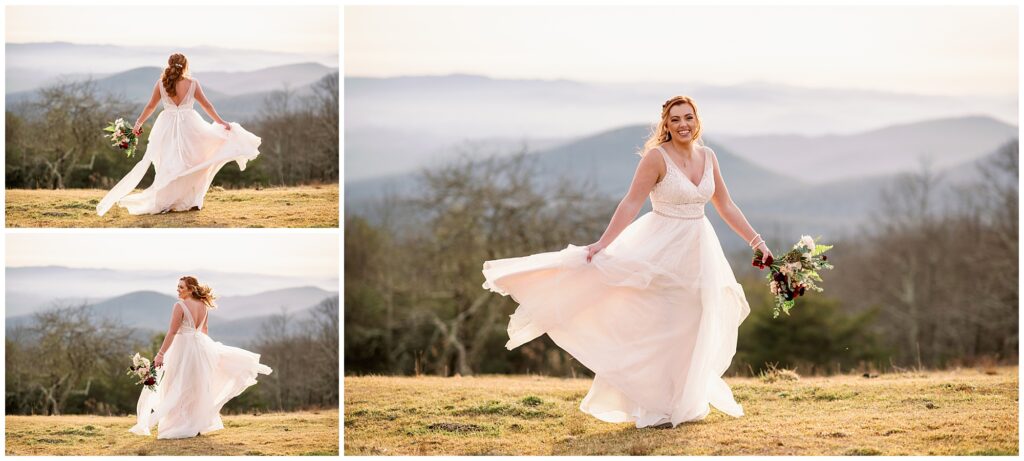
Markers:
point(124, 145)
point(824, 257)
point(802, 288)
point(149, 381)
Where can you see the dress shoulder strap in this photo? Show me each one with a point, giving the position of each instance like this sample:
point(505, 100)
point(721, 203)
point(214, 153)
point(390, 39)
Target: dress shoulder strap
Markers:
point(669, 163)
point(664, 155)
point(188, 314)
point(192, 88)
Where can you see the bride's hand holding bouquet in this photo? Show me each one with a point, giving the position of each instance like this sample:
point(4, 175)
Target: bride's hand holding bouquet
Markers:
point(794, 274)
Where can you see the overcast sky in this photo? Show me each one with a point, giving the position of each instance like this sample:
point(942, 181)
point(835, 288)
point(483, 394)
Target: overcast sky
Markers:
point(948, 50)
point(289, 254)
point(291, 29)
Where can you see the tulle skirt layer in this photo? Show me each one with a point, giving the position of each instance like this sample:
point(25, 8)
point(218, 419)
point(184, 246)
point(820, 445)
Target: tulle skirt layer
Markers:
point(654, 316)
point(187, 152)
point(199, 376)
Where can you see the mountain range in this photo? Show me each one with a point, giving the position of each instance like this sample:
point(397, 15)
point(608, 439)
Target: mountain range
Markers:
point(30, 289)
point(786, 184)
point(30, 65)
point(236, 320)
point(899, 148)
point(413, 119)
point(237, 95)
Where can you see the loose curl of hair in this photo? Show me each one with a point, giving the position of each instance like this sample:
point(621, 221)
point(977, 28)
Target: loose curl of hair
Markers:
point(660, 134)
point(200, 292)
point(177, 68)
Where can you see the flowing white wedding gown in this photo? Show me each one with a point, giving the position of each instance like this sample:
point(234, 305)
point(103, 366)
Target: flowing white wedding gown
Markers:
point(198, 377)
point(654, 315)
point(187, 152)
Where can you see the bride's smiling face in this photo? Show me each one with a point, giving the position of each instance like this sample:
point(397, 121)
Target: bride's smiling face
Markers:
point(182, 289)
point(682, 122)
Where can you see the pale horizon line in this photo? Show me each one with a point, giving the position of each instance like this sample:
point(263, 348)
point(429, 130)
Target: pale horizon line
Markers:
point(657, 82)
point(328, 53)
point(197, 270)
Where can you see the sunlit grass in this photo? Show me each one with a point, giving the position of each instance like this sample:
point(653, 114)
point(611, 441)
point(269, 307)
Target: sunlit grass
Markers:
point(302, 433)
point(932, 413)
point(305, 206)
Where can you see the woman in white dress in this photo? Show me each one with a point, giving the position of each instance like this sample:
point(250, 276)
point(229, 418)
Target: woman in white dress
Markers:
point(653, 307)
point(197, 374)
point(185, 150)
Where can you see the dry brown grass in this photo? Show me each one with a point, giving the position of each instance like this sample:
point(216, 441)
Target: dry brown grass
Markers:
point(304, 433)
point(932, 413)
point(305, 206)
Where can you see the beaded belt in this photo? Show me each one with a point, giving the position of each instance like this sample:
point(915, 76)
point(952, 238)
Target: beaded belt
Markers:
point(680, 210)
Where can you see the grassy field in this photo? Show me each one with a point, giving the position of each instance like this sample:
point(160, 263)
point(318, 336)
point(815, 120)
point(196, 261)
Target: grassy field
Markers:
point(305, 206)
point(305, 433)
point(934, 413)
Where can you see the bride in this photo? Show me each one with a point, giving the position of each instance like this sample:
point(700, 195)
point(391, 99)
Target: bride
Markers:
point(652, 307)
point(185, 150)
point(199, 375)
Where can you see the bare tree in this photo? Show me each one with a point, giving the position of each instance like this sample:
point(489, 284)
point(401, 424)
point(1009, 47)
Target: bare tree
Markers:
point(70, 117)
point(62, 351)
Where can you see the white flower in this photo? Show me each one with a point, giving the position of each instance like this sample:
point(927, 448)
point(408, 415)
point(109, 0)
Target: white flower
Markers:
point(119, 122)
point(137, 359)
point(774, 287)
point(794, 267)
point(808, 242)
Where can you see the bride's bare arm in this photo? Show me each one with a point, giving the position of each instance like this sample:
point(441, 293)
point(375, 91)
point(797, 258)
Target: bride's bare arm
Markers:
point(647, 174)
point(154, 99)
point(176, 316)
point(731, 213)
point(208, 106)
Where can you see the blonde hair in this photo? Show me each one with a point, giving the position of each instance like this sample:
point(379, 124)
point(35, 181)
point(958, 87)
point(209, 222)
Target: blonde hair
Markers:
point(200, 292)
point(177, 68)
point(660, 133)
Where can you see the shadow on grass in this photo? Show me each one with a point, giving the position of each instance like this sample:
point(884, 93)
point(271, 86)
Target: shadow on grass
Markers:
point(628, 440)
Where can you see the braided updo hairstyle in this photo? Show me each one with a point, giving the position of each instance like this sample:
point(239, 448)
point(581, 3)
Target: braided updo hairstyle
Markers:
point(200, 292)
point(661, 134)
point(177, 67)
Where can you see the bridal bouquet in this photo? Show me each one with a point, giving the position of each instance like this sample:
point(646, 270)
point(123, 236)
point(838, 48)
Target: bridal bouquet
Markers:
point(795, 273)
point(121, 136)
point(141, 369)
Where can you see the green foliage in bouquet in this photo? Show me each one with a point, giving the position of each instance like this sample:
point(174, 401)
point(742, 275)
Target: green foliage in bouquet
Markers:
point(796, 272)
point(122, 136)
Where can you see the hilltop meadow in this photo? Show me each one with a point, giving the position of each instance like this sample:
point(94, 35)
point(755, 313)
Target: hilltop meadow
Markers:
point(302, 206)
point(270, 434)
point(960, 412)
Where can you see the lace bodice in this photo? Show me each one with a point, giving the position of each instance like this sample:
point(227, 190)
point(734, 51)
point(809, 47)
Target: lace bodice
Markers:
point(186, 104)
point(678, 197)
